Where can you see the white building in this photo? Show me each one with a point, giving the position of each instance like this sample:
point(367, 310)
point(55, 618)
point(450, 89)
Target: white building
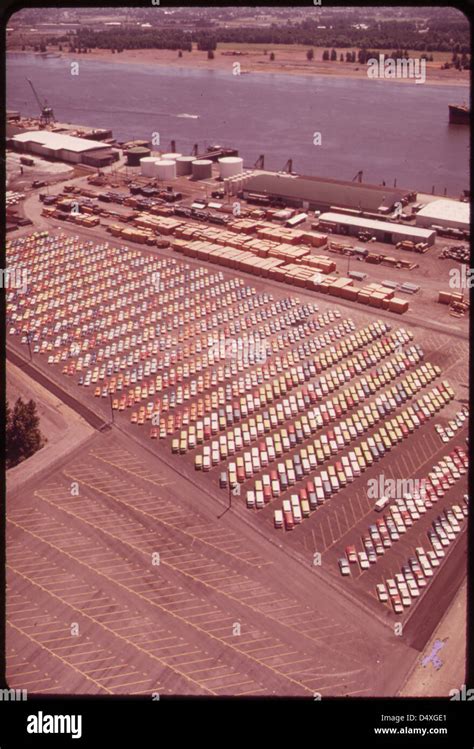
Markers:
point(444, 212)
point(384, 231)
point(57, 146)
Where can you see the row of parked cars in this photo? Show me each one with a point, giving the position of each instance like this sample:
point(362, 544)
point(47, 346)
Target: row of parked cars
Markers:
point(303, 462)
point(205, 364)
point(342, 433)
point(416, 574)
point(135, 345)
point(297, 375)
point(373, 448)
point(298, 403)
point(447, 432)
point(88, 293)
point(228, 414)
point(405, 511)
point(150, 362)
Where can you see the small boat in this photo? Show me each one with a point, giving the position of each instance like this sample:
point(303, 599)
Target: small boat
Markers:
point(459, 114)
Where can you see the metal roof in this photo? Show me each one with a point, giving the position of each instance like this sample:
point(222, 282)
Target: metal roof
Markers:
point(368, 223)
point(59, 141)
point(325, 191)
point(447, 210)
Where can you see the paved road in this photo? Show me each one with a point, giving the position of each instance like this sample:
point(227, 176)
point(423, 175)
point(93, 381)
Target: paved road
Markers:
point(88, 560)
point(87, 413)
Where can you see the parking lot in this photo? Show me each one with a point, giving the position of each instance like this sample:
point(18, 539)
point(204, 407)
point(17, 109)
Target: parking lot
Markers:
point(208, 615)
point(284, 407)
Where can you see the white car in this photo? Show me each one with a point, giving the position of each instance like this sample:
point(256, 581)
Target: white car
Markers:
point(433, 558)
point(413, 588)
point(363, 560)
point(458, 513)
point(382, 592)
point(344, 567)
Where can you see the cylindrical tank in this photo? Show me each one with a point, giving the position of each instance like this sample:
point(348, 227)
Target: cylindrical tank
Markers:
point(202, 169)
point(134, 155)
point(165, 169)
point(229, 166)
point(233, 186)
point(147, 166)
point(184, 165)
point(170, 156)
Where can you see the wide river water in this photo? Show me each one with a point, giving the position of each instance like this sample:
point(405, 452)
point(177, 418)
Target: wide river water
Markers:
point(389, 130)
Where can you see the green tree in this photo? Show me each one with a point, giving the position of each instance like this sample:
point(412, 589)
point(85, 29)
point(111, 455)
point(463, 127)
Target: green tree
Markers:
point(272, 56)
point(326, 54)
point(333, 55)
point(310, 54)
point(23, 436)
point(210, 54)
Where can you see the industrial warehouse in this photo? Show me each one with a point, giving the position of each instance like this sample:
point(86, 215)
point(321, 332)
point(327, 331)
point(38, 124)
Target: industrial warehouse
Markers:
point(64, 148)
point(384, 231)
point(317, 193)
point(444, 213)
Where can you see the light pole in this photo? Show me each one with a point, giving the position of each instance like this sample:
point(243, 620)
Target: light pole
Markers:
point(233, 487)
point(29, 344)
point(111, 408)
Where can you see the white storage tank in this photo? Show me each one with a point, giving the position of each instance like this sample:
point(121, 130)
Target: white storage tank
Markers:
point(229, 166)
point(184, 165)
point(202, 169)
point(171, 156)
point(165, 169)
point(147, 166)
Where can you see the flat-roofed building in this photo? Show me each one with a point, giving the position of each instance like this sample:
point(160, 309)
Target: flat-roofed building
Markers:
point(63, 147)
point(444, 212)
point(319, 193)
point(384, 231)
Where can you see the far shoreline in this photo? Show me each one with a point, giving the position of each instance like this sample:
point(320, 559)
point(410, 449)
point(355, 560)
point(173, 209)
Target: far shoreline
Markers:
point(250, 66)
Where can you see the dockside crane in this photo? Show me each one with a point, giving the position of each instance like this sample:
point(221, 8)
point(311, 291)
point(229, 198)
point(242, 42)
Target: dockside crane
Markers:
point(288, 166)
point(358, 176)
point(260, 163)
point(46, 112)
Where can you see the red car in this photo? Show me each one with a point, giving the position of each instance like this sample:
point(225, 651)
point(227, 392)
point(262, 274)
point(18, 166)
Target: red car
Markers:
point(351, 554)
point(303, 494)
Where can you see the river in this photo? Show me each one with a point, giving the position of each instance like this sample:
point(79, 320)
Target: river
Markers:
point(389, 130)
